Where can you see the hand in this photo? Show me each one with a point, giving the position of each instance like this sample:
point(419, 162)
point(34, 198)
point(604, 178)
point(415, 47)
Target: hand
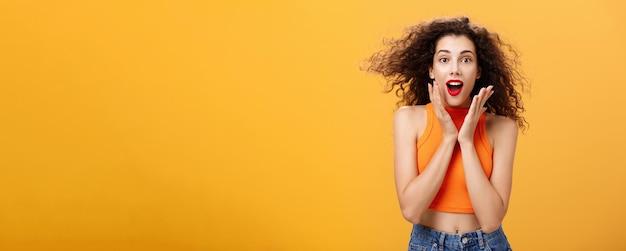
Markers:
point(476, 109)
point(447, 125)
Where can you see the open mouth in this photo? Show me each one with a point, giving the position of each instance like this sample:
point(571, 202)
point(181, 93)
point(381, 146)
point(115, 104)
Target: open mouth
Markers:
point(454, 87)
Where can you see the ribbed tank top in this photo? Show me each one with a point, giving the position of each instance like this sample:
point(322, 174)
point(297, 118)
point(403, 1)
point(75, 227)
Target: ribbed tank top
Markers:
point(453, 196)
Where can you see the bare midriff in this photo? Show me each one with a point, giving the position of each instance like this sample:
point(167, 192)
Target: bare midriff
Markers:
point(455, 223)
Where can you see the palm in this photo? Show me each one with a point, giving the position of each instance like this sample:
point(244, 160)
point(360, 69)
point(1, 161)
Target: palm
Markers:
point(447, 125)
point(466, 133)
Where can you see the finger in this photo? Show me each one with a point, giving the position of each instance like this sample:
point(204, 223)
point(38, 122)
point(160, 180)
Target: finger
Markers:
point(475, 103)
point(440, 96)
point(435, 98)
point(430, 92)
point(479, 102)
point(483, 94)
point(488, 92)
point(436, 92)
point(438, 103)
point(440, 100)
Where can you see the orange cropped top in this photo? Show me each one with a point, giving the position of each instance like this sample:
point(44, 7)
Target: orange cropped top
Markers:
point(453, 196)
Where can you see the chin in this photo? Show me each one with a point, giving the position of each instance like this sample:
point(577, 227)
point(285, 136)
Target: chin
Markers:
point(457, 102)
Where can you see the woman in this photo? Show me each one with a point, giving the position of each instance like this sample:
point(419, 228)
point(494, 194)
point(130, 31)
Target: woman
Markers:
point(455, 136)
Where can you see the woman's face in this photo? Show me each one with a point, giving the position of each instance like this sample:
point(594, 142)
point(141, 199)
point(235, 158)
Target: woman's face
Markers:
point(455, 69)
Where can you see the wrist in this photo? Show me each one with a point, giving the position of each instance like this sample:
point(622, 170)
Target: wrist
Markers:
point(463, 143)
point(451, 139)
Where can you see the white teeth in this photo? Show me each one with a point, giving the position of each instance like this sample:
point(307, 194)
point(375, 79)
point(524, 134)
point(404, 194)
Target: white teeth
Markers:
point(454, 83)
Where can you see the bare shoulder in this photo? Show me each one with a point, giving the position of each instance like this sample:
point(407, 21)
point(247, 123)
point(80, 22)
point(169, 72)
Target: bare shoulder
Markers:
point(411, 111)
point(500, 122)
point(499, 127)
point(410, 118)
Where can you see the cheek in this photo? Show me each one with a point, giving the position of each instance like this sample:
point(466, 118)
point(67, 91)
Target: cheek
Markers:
point(473, 69)
point(438, 74)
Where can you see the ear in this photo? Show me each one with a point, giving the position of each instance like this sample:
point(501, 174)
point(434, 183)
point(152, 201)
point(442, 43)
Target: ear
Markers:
point(478, 73)
point(430, 72)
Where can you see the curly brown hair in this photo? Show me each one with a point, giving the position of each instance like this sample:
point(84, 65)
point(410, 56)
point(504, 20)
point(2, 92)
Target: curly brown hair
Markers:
point(406, 61)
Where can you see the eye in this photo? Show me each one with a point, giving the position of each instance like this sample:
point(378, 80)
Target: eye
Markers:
point(466, 60)
point(443, 60)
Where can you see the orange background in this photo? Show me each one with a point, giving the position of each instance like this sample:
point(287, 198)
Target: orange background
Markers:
point(247, 125)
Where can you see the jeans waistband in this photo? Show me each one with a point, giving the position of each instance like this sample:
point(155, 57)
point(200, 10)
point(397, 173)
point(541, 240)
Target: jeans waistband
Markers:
point(457, 241)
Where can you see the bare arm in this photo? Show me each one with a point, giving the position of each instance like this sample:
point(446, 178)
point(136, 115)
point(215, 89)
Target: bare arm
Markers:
point(416, 192)
point(490, 197)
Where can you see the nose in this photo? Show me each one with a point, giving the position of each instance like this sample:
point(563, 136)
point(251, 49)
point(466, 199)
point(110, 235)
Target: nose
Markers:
point(454, 69)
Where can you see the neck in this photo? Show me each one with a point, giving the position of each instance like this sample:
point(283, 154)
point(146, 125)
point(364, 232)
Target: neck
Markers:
point(457, 111)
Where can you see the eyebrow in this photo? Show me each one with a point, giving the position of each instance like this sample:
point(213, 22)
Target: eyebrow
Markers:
point(447, 51)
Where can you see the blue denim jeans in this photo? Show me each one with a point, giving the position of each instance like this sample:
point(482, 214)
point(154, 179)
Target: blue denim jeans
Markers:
point(427, 239)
